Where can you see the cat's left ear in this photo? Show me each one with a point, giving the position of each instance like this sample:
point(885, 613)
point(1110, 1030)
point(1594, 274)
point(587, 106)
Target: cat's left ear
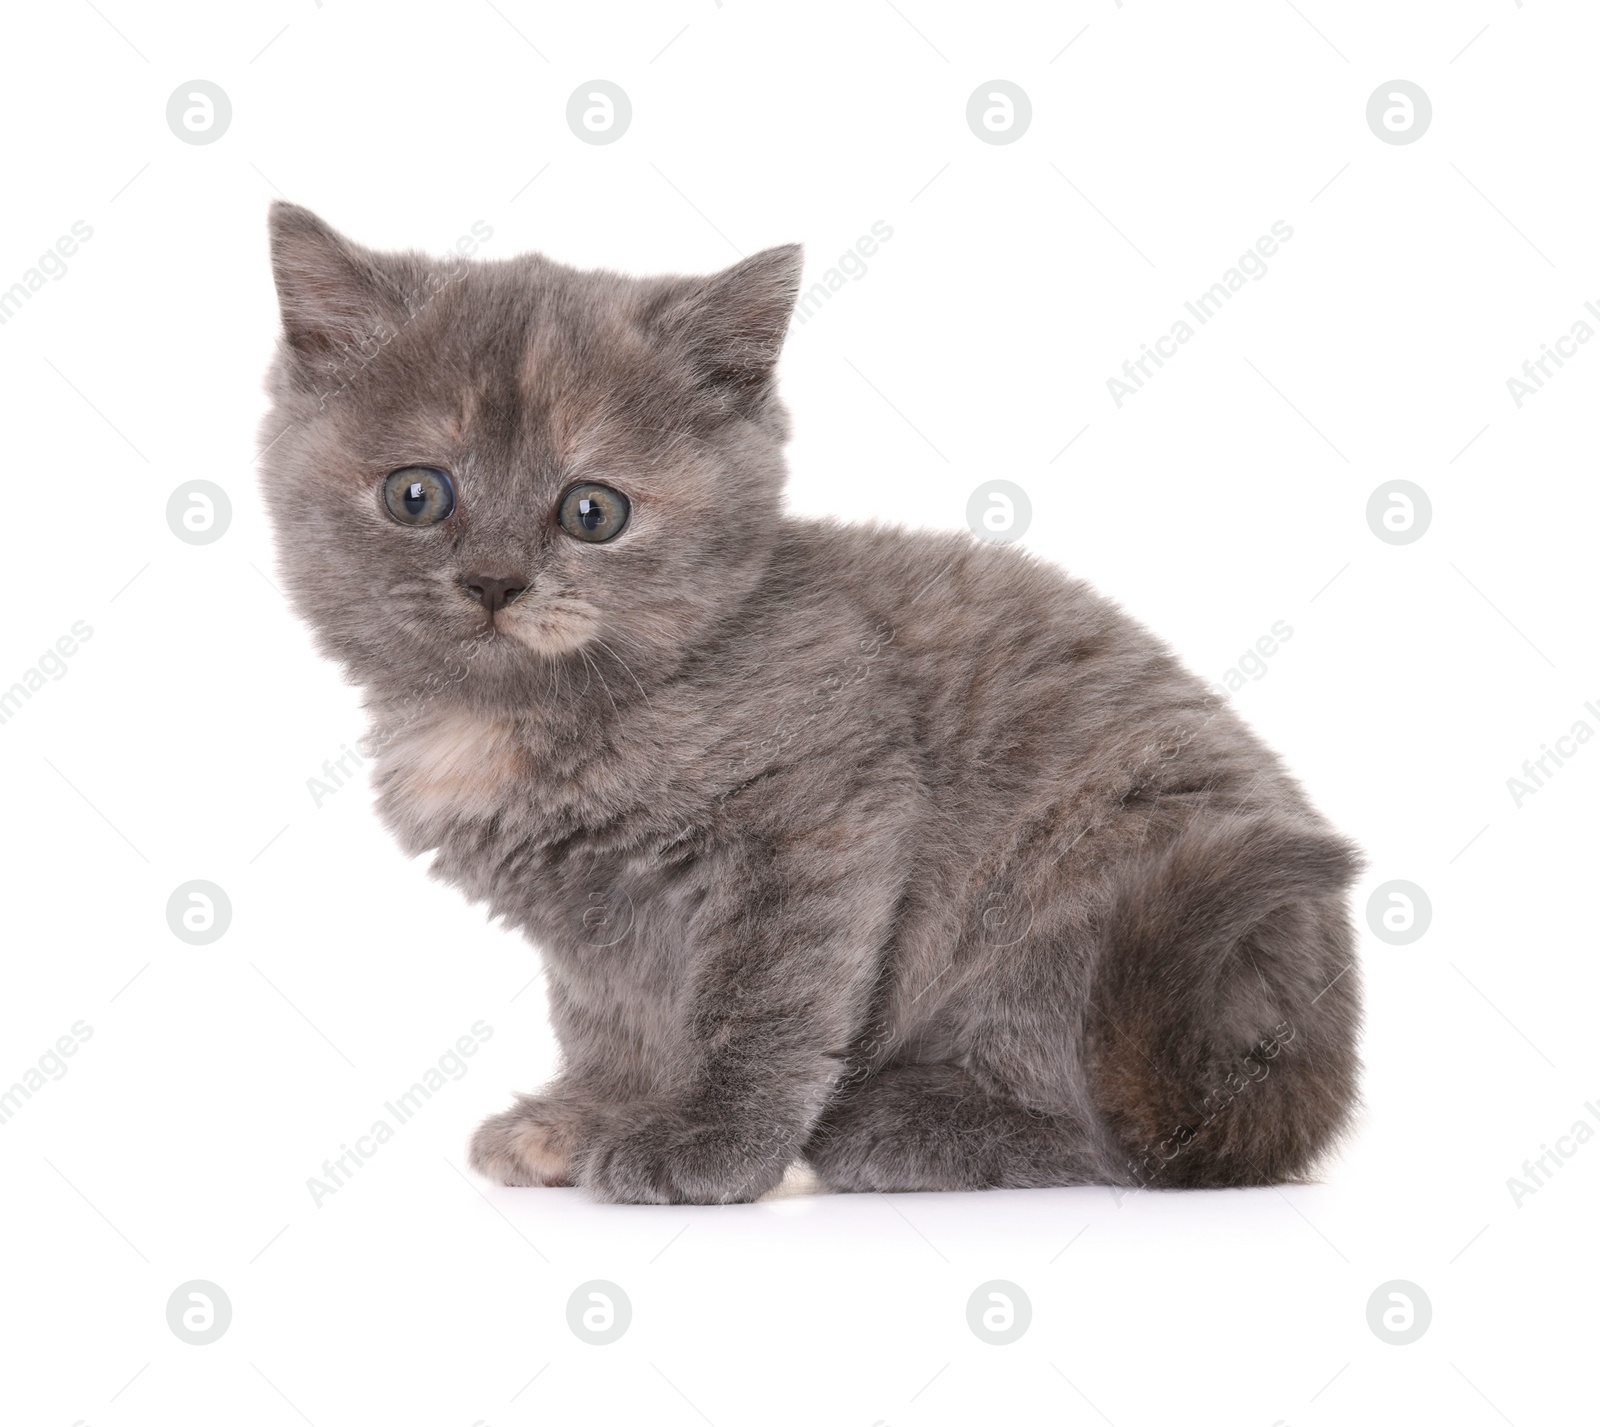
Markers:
point(731, 326)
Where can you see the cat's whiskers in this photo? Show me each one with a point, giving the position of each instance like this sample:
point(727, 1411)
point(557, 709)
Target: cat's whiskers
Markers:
point(587, 679)
point(594, 665)
point(557, 687)
point(625, 669)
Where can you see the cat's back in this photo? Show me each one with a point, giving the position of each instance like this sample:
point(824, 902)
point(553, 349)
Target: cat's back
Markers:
point(986, 630)
point(1017, 676)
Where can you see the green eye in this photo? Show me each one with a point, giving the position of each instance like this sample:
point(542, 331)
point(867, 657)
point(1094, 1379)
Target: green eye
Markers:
point(419, 495)
point(594, 513)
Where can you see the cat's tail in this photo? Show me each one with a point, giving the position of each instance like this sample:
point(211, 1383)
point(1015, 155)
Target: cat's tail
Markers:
point(1225, 1004)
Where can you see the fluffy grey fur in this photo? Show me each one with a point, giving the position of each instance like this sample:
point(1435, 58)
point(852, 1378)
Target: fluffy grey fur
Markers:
point(904, 854)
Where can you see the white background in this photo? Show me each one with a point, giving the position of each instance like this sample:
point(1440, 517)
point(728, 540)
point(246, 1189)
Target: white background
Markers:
point(1228, 494)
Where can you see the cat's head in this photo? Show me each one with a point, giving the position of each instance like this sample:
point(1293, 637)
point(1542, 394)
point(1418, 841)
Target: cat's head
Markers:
point(476, 468)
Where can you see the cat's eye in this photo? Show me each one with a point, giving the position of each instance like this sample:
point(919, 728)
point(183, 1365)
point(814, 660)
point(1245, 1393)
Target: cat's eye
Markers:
point(593, 513)
point(419, 495)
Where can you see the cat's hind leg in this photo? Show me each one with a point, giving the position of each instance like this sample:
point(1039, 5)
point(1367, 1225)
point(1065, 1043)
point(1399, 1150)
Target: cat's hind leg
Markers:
point(938, 1126)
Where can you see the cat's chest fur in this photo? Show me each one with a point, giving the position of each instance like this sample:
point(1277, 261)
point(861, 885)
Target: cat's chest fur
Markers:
point(536, 824)
point(450, 768)
point(469, 781)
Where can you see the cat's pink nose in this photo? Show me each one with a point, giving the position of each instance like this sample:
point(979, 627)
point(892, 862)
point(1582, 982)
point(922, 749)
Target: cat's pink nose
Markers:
point(493, 591)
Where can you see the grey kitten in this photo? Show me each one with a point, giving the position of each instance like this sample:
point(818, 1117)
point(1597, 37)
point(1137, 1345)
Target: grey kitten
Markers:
point(903, 854)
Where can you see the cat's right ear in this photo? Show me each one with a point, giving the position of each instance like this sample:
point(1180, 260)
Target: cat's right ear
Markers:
point(331, 292)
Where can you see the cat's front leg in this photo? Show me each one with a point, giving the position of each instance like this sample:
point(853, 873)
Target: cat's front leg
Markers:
point(665, 1153)
point(533, 1143)
point(632, 1151)
point(785, 962)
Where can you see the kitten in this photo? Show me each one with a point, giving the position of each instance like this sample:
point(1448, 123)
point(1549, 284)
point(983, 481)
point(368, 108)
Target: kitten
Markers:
point(903, 854)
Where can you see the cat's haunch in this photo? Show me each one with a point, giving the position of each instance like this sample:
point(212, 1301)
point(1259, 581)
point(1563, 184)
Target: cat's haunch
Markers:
point(904, 854)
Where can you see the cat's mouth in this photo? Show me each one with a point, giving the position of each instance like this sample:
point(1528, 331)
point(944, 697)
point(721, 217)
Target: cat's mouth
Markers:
point(550, 627)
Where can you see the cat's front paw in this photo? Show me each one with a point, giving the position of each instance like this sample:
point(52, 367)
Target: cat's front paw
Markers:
point(655, 1156)
point(530, 1144)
